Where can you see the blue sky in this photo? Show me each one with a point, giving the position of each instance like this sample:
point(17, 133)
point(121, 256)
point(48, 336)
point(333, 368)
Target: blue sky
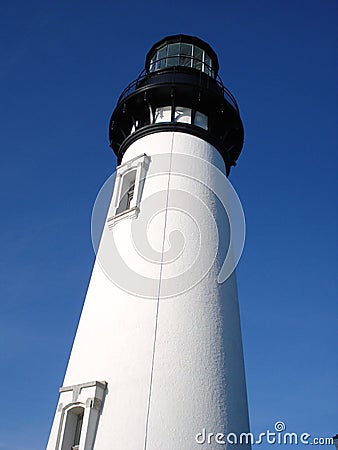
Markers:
point(62, 68)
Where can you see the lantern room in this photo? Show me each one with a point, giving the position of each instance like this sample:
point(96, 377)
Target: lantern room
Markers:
point(179, 90)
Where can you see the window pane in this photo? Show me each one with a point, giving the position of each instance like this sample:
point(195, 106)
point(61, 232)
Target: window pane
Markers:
point(78, 429)
point(182, 114)
point(186, 55)
point(201, 120)
point(198, 53)
point(127, 191)
point(198, 58)
point(72, 429)
point(163, 114)
point(172, 61)
point(161, 64)
point(161, 54)
point(173, 51)
point(152, 65)
point(207, 65)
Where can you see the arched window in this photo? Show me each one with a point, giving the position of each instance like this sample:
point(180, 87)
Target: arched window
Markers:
point(73, 428)
point(129, 182)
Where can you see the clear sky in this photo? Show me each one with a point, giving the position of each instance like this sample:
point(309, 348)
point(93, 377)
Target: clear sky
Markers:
point(62, 68)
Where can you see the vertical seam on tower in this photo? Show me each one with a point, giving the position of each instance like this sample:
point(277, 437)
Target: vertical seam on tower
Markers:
point(158, 299)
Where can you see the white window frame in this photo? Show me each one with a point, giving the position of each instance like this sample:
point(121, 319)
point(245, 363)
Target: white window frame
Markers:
point(89, 397)
point(140, 164)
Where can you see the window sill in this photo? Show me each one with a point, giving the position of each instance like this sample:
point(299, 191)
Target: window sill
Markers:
point(130, 213)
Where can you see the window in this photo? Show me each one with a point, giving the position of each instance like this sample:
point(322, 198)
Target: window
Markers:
point(161, 55)
point(201, 120)
point(127, 191)
point(73, 428)
point(207, 65)
point(173, 52)
point(182, 114)
point(184, 55)
point(77, 416)
point(198, 58)
point(78, 431)
point(128, 188)
point(163, 114)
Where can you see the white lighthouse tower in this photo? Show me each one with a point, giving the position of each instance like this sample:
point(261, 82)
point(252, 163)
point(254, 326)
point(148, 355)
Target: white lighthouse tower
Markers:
point(157, 361)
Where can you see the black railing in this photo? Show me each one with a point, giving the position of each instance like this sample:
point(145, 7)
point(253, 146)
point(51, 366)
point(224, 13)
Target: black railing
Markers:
point(134, 85)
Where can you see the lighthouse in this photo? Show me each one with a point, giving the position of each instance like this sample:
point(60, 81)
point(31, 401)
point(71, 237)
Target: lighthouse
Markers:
point(157, 360)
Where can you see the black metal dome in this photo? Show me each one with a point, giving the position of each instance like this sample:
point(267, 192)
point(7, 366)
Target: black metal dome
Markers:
point(181, 74)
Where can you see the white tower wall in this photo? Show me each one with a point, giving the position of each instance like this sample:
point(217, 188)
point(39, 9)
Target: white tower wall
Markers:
point(172, 362)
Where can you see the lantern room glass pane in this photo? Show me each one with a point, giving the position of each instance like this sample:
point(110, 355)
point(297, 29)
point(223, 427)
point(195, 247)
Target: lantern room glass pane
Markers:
point(185, 55)
point(173, 52)
point(161, 55)
point(173, 49)
point(152, 64)
point(207, 64)
point(198, 58)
